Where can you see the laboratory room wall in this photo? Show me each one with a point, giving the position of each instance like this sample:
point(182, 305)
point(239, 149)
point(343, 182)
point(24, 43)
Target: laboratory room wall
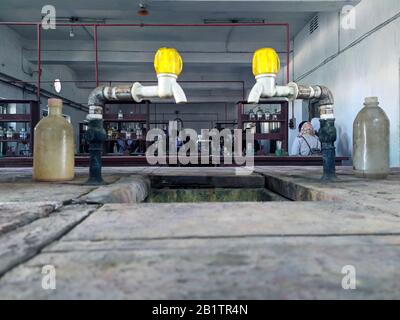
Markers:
point(14, 65)
point(355, 63)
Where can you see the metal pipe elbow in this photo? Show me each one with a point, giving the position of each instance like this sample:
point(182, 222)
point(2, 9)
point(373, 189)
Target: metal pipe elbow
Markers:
point(326, 97)
point(97, 98)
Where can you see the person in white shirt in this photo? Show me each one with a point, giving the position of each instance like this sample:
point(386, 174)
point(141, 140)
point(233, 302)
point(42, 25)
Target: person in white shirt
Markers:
point(306, 143)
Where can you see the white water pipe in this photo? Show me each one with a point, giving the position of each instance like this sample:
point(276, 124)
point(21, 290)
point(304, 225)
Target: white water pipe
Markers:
point(167, 88)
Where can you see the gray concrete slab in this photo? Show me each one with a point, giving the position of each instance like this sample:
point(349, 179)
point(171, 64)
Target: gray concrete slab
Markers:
point(131, 189)
point(242, 268)
point(382, 195)
point(21, 244)
point(18, 214)
point(289, 250)
point(185, 220)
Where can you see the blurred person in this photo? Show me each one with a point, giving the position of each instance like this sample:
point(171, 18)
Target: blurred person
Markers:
point(306, 143)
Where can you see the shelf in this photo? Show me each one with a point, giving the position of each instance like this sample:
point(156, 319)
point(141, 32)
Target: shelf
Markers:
point(278, 134)
point(15, 140)
point(112, 160)
point(268, 136)
point(123, 155)
point(15, 117)
point(261, 121)
point(126, 118)
point(124, 139)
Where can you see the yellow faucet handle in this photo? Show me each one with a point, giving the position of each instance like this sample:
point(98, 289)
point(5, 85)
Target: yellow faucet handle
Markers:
point(266, 60)
point(168, 60)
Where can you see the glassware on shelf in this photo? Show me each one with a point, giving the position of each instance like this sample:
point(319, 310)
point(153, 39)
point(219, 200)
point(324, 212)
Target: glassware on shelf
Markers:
point(1, 132)
point(259, 113)
point(109, 133)
point(138, 132)
point(275, 126)
point(279, 151)
point(267, 115)
point(265, 127)
point(114, 133)
point(23, 135)
point(123, 133)
point(10, 133)
point(120, 115)
point(24, 150)
point(10, 151)
point(252, 116)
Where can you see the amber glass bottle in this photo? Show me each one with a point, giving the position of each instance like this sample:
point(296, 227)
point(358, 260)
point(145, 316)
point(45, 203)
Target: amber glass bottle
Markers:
point(54, 148)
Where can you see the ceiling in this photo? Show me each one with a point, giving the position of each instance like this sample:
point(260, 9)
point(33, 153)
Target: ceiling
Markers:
point(131, 49)
point(295, 12)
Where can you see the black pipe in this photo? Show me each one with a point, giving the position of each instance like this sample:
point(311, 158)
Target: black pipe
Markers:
point(327, 133)
point(328, 136)
point(95, 135)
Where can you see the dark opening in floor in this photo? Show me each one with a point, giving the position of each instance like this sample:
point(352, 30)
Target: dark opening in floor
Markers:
point(212, 195)
point(165, 189)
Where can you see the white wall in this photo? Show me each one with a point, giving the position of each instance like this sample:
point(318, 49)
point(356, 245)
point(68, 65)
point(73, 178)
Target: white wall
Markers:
point(11, 60)
point(369, 68)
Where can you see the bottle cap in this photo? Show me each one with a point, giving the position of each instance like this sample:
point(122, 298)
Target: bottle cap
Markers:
point(371, 100)
point(54, 102)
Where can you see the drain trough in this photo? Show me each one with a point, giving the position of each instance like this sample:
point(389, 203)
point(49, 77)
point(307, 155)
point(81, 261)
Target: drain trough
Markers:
point(201, 188)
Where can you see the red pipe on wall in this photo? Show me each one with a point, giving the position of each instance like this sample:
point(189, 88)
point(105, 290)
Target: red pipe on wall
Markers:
point(95, 26)
point(287, 53)
point(96, 55)
point(39, 67)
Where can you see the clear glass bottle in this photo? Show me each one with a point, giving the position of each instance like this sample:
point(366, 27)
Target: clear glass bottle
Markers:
point(9, 133)
point(109, 133)
point(252, 116)
point(54, 148)
point(138, 133)
point(371, 132)
point(23, 134)
point(123, 133)
point(1, 133)
point(259, 113)
point(120, 114)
